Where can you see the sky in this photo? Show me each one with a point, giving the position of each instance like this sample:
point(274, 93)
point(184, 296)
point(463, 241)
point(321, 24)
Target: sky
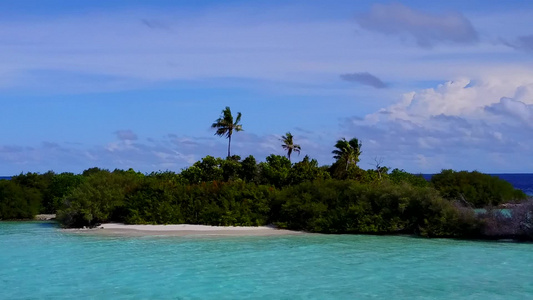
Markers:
point(424, 85)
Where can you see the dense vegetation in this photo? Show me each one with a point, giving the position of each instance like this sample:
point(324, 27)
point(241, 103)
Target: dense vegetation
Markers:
point(474, 188)
point(341, 198)
point(235, 191)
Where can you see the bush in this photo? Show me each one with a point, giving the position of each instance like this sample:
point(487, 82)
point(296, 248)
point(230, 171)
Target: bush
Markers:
point(213, 203)
point(334, 206)
point(18, 202)
point(476, 188)
point(400, 176)
point(60, 185)
point(100, 198)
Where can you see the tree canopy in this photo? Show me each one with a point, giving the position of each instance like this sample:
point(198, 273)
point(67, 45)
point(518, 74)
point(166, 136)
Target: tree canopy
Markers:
point(289, 145)
point(225, 125)
point(347, 152)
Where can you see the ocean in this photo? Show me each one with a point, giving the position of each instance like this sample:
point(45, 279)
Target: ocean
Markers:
point(40, 261)
point(523, 182)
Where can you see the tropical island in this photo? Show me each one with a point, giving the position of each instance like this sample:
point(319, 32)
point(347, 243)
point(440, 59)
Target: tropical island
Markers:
point(340, 198)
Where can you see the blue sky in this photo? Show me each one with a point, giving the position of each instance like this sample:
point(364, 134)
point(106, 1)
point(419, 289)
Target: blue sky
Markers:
point(425, 85)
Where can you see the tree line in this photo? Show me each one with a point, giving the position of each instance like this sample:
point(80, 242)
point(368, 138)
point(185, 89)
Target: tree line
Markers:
point(336, 198)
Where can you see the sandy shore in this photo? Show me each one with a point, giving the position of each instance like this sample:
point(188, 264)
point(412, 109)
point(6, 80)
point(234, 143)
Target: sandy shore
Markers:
point(45, 217)
point(184, 230)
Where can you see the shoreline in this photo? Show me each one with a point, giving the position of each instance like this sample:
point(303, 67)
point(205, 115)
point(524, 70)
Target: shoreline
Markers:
point(119, 229)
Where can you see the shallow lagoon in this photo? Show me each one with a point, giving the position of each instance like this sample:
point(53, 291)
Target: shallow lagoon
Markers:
point(39, 261)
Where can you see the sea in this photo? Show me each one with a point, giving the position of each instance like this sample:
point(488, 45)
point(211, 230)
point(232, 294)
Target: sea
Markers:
point(40, 261)
point(523, 182)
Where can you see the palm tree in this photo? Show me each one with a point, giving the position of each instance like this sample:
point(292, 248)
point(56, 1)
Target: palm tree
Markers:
point(289, 145)
point(225, 125)
point(347, 152)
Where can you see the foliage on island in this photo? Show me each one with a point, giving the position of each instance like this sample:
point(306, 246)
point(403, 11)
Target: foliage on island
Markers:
point(243, 192)
point(341, 198)
point(475, 189)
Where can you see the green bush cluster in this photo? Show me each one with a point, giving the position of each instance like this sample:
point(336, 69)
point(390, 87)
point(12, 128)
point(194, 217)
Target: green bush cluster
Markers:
point(99, 198)
point(26, 195)
point(475, 188)
point(326, 206)
point(209, 203)
point(336, 206)
point(242, 192)
point(18, 202)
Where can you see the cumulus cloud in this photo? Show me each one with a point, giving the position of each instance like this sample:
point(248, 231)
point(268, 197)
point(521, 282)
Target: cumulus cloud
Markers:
point(517, 110)
point(427, 29)
point(458, 124)
point(364, 78)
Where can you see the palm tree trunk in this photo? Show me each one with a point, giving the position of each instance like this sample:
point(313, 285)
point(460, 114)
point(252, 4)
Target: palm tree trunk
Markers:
point(229, 145)
point(347, 164)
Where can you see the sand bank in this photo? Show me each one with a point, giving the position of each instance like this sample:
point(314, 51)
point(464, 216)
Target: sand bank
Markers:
point(45, 217)
point(185, 230)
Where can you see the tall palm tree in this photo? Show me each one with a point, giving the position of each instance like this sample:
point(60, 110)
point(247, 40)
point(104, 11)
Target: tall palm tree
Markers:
point(225, 125)
point(347, 152)
point(289, 145)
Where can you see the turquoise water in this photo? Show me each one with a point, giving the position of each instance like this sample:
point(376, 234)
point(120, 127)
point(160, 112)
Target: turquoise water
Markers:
point(38, 261)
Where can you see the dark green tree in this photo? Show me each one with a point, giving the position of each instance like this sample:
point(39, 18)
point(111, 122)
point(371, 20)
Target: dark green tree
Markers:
point(398, 176)
point(289, 145)
point(225, 125)
point(249, 171)
point(347, 152)
point(208, 169)
point(18, 201)
point(275, 171)
point(307, 170)
point(231, 168)
point(475, 188)
point(60, 186)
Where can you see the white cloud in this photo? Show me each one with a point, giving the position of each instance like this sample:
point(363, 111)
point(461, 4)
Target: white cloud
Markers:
point(138, 49)
point(170, 46)
point(459, 124)
point(513, 109)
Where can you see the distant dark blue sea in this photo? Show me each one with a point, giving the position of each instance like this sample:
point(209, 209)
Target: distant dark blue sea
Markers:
point(520, 181)
point(5, 177)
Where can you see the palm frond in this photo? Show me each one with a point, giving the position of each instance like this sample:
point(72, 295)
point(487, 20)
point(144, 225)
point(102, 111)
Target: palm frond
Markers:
point(224, 125)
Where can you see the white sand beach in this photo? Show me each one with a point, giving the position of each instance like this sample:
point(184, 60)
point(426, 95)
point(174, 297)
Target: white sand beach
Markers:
point(185, 230)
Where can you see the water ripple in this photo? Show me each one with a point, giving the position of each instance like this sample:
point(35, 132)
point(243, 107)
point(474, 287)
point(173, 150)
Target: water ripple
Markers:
point(39, 261)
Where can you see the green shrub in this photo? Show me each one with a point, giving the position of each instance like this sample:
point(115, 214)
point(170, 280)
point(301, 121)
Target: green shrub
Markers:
point(334, 206)
point(100, 198)
point(475, 188)
point(18, 202)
